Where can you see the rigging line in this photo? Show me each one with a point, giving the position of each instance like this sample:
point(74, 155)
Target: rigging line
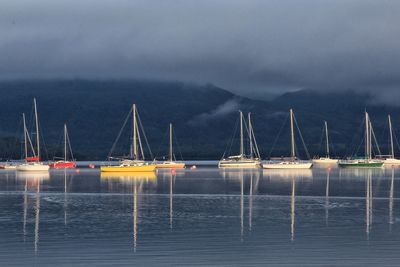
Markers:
point(140, 144)
point(321, 140)
point(161, 143)
point(70, 147)
point(255, 143)
point(144, 135)
point(277, 137)
point(395, 138)
point(30, 142)
point(376, 142)
point(356, 135)
point(301, 137)
point(230, 143)
point(177, 144)
point(119, 134)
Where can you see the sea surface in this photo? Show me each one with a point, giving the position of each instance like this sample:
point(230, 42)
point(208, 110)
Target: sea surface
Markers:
point(205, 216)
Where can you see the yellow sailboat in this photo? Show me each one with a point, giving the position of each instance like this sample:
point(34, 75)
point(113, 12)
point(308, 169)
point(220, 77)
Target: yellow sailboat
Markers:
point(136, 163)
point(171, 163)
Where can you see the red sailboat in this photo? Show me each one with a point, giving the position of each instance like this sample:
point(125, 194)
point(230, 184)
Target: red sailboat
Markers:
point(65, 163)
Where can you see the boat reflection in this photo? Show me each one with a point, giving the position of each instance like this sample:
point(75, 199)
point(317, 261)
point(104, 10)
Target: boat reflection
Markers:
point(253, 178)
point(287, 173)
point(293, 209)
point(391, 193)
point(32, 183)
point(135, 181)
point(328, 171)
point(351, 173)
point(368, 200)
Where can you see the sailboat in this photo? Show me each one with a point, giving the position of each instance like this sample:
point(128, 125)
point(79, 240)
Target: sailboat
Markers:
point(293, 163)
point(326, 159)
point(391, 160)
point(367, 161)
point(32, 163)
point(65, 163)
point(135, 163)
point(242, 160)
point(171, 163)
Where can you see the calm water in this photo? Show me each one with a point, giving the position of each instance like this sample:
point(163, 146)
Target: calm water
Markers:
point(205, 216)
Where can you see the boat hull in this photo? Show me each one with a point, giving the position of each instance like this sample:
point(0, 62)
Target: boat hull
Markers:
point(33, 167)
point(140, 168)
point(325, 161)
point(175, 165)
point(239, 164)
point(63, 165)
point(391, 162)
point(360, 164)
point(288, 165)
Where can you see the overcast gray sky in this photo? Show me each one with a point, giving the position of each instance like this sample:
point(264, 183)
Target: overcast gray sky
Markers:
point(239, 45)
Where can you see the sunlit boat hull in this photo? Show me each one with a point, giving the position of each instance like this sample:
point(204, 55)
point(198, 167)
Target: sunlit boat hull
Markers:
point(170, 165)
point(360, 164)
point(391, 162)
point(325, 161)
point(139, 168)
point(239, 164)
point(63, 165)
point(35, 167)
point(288, 165)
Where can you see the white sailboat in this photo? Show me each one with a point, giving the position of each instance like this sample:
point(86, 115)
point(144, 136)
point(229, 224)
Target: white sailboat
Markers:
point(326, 159)
point(32, 163)
point(293, 163)
point(391, 160)
point(242, 160)
point(171, 163)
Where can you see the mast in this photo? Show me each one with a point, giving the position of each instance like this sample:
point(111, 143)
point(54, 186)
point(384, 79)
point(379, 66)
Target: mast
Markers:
point(250, 135)
point(37, 129)
point(241, 133)
point(327, 139)
point(391, 137)
point(367, 137)
point(170, 143)
point(135, 152)
point(293, 154)
point(25, 132)
point(65, 142)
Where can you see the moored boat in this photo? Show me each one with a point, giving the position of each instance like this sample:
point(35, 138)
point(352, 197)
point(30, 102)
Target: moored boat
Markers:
point(32, 163)
point(136, 162)
point(367, 161)
point(65, 163)
point(252, 160)
point(326, 159)
point(391, 160)
point(171, 163)
point(293, 162)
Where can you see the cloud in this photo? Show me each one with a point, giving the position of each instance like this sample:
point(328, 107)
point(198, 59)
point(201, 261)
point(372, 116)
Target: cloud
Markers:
point(244, 46)
point(222, 110)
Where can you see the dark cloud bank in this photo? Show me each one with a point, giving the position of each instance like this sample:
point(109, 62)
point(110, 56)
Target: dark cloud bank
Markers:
point(245, 46)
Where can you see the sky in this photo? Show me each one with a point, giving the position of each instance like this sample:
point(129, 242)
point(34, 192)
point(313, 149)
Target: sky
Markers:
point(247, 47)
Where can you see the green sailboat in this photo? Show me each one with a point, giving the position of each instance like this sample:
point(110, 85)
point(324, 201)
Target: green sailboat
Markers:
point(367, 161)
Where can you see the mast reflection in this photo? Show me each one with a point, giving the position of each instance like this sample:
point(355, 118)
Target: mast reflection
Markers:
point(136, 181)
point(391, 194)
